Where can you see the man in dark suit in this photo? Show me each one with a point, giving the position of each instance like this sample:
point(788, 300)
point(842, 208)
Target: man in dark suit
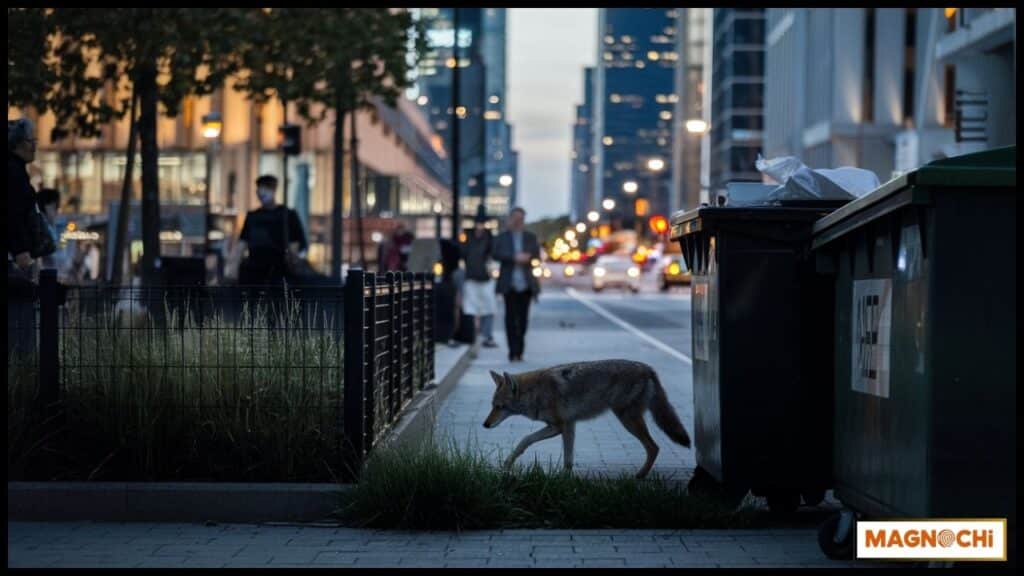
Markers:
point(515, 249)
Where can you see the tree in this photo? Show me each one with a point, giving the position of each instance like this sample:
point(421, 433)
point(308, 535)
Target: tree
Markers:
point(157, 55)
point(340, 59)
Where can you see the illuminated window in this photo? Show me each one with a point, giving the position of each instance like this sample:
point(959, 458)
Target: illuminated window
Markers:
point(492, 115)
point(494, 99)
point(627, 40)
point(615, 98)
point(608, 56)
point(652, 55)
point(665, 115)
point(607, 140)
point(609, 39)
point(640, 64)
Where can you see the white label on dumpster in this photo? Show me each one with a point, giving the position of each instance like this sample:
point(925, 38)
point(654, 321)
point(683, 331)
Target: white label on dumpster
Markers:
point(872, 330)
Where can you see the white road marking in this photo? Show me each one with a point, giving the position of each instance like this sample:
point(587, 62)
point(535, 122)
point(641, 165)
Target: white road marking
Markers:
point(628, 327)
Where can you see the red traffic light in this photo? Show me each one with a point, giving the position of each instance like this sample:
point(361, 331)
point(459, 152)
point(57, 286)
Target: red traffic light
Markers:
point(658, 224)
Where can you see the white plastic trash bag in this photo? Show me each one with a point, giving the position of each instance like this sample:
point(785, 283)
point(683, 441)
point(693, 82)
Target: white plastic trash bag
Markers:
point(798, 182)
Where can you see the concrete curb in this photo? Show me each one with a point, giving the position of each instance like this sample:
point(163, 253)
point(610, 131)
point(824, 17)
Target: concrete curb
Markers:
point(416, 423)
point(214, 501)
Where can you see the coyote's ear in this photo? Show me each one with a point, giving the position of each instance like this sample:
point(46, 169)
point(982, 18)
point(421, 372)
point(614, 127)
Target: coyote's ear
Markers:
point(497, 378)
point(512, 384)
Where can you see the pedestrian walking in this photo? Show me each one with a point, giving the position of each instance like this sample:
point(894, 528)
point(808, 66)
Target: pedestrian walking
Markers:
point(269, 261)
point(515, 249)
point(478, 292)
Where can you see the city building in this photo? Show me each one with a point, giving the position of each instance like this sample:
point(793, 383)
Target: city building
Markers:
point(737, 78)
point(888, 89)
point(634, 103)
point(582, 155)
point(688, 125)
point(402, 163)
point(487, 162)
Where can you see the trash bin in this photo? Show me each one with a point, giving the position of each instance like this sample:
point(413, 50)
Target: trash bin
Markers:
point(925, 340)
point(760, 321)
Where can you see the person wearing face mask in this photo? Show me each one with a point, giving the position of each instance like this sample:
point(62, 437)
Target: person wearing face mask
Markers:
point(263, 236)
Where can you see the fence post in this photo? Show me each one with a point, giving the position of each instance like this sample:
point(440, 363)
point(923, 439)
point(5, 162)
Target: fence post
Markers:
point(410, 335)
point(353, 416)
point(49, 354)
point(394, 342)
point(370, 374)
point(429, 323)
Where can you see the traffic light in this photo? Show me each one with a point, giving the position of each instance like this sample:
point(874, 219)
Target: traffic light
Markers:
point(658, 224)
point(291, 139)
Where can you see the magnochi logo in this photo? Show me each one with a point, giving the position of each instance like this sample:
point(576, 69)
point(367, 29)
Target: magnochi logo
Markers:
point(933, 539)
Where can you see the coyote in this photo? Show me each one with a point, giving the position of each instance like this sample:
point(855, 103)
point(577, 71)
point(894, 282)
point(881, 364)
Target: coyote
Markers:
point(565, 394)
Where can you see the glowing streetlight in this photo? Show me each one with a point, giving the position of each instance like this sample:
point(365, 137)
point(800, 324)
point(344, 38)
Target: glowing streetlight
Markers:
point(581, 228)
point(696, 126)
point(593, 216)
point(630, 187)
point(608, 204)
point(570, 235)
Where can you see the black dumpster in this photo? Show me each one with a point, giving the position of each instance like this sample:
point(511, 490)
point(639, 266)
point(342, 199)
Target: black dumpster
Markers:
point(761, 319)
point(925, 285)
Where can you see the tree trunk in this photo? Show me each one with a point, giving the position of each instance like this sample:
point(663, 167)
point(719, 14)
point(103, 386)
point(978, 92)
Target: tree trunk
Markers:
point(150, 177)
point(339, 184)
point(357, 190)
point(123, 215)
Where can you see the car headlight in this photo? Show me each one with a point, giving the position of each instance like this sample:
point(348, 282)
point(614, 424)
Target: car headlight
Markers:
point(673, 269)
point(599, 272)
point(570, 271)
point(633, 272)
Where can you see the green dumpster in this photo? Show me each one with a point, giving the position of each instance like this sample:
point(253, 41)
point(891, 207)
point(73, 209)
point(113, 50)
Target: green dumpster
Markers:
point(761, 323)
point(925, 281)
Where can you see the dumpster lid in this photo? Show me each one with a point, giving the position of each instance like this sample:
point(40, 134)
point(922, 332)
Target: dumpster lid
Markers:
point(996, 168)
point(690, 221)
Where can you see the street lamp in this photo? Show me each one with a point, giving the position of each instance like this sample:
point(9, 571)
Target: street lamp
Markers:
point(581, 227)
point(593, 216)
point(696, 126)
point(608, 204)
point(212, 124)
point(570, 235)
point(630, 187)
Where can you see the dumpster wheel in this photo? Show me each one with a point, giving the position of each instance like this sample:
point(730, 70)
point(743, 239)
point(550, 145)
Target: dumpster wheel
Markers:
point(837, 544)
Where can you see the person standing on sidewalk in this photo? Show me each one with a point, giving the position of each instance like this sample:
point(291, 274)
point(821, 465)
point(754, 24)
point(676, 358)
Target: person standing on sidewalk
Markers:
point(22, 270)
point(478, 298)
point(514, 249)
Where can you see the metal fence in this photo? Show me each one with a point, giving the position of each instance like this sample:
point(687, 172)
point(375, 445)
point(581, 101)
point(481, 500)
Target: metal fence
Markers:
point(302, 373)
point(389, 351)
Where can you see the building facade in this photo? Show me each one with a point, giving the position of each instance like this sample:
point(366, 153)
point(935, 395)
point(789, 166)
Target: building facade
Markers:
point(582, 155)
point(688, 124)
point(736, 95)
point(488, 166)
point(401, 161)
point(634, 103)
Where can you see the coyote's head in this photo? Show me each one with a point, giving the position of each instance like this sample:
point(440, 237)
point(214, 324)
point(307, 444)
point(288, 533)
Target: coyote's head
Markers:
point(506, 399)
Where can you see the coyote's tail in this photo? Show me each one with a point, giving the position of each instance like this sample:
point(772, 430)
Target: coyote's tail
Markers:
point(665, 416)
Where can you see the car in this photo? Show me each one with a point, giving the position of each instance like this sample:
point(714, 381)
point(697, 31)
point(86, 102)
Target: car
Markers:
point(615, 270)
point(673, 272)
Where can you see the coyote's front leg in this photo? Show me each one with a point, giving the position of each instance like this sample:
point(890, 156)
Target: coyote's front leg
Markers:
point(542, 434)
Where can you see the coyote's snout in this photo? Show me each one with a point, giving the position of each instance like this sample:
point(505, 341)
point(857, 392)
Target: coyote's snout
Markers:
point(563, 395)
